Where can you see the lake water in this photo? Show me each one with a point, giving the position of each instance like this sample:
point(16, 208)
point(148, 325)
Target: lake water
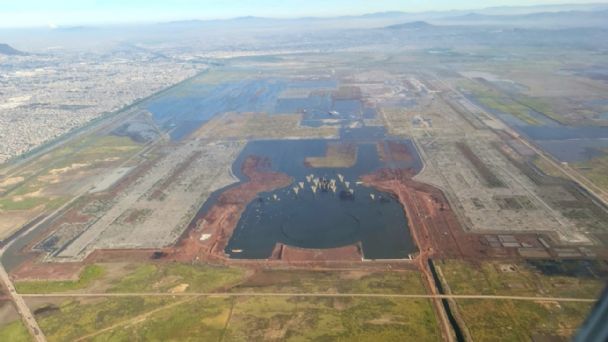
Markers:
point(321, 219)
point(566, 143)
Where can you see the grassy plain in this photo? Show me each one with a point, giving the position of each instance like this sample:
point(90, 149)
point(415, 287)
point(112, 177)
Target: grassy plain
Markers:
point(505, 320)
point(243, 319)
point(332, 319)
point(48, 182)
point(509, 320)
point(210, 318)
point(164, 277)
point(89, 274)
point(79, 317)
point(280, 281)
point(596, 170)
point(497, 278)
point(14, 332)
point(168, 277)
point(262, 126)
point(518, 105)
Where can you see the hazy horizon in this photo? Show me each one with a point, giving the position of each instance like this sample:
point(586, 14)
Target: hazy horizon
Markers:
point(38, 13)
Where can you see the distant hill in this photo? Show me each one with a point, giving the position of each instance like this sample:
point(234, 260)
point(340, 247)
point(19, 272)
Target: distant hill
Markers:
point(6, 49)
point(566, 18)
point(414, 25)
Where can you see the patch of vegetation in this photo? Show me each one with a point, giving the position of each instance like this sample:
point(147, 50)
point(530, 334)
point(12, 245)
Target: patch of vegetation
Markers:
point(540, 106)
point(59, 166)
point(284, 281)
point(572, 268)
point(547, 168)
point(332, 319)
point(163, 277)
point(99, 149)
point(89, 274)
point(285, 319)
point(248, 318)
point(22, 204)
point(596, 169)
point(488, 279)
point(262, 126)
point(499, 102)
point(14, 332)
point(78, 318)
point(196, 320)
point(505, 320)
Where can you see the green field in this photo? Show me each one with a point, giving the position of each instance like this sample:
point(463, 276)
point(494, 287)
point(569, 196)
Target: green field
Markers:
point(263, 318)
point(165, 277)
point(86, 278)
point(280, 281)
point(78, 317)
point(243, 319)
point(489, 279)
point(596, 169)
point(14, 332)
point(45, 178)
point(518, 106)
point(505, 320)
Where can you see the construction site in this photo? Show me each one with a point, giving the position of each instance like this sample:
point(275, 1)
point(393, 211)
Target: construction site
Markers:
point(365, 171)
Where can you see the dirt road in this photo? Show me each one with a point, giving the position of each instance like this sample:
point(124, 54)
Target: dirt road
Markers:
point(22, 308)
point(285, 294)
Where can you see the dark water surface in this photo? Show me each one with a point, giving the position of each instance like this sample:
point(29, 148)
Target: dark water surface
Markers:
point(566, 143)
point(321, 219)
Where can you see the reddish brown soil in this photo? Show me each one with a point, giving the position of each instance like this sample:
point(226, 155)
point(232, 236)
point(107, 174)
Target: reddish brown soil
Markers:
point(433, 225)
point(290, 254)
point(223, 217)
point(393, 151)
point(114, 255)
point(32, 270)
point(346, 153)
point(432, 222)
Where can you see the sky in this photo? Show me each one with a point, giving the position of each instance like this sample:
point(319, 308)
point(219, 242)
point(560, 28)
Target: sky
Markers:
point(28, 13)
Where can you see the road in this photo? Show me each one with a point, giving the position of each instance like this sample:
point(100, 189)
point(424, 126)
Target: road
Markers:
point(331, 295)
point(22, 308)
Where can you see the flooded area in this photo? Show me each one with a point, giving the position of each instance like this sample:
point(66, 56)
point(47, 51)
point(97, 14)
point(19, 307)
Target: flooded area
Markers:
point(326, 206)
point(185, 108)
point(323, 207)
point(566, 143)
